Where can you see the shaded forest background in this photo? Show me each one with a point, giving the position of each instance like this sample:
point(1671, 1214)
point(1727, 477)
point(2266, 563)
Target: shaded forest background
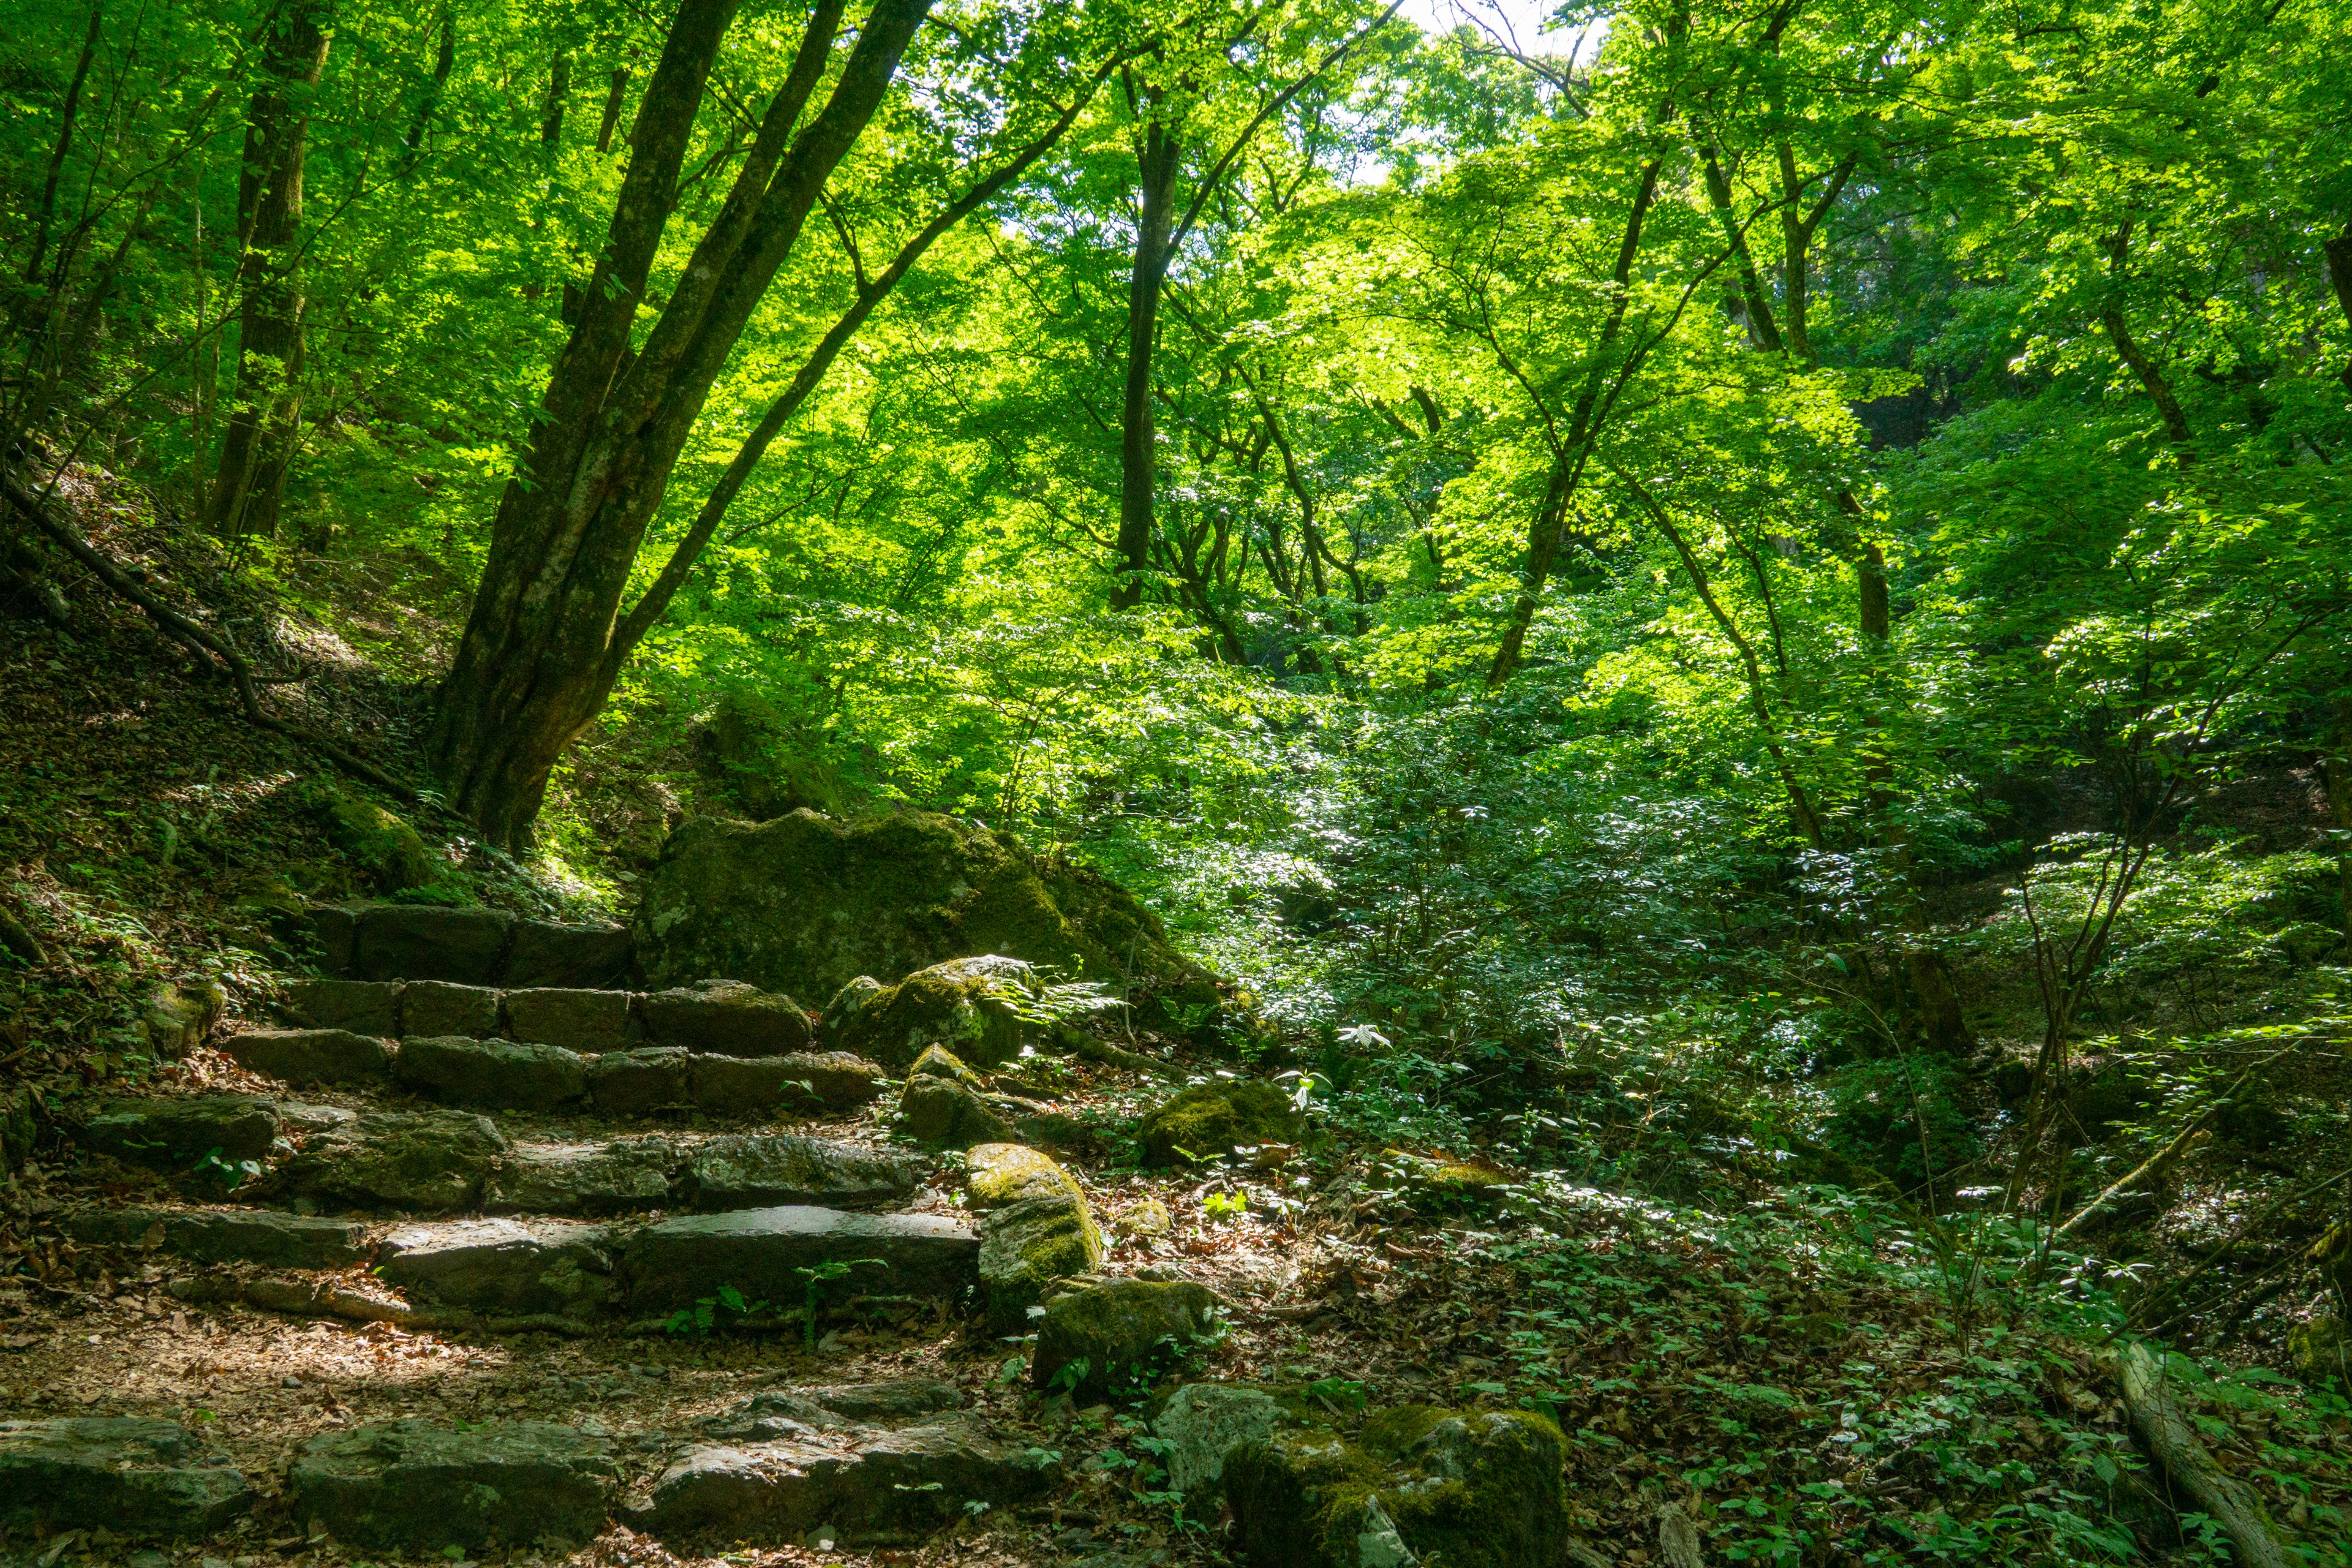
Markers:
point(1783, 565)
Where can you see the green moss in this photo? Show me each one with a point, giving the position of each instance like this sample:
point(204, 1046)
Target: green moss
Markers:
point(940, 1113)
point(385, 850)
point(1000, 1174)
point(806, 903)
point(1126, 1333)
point(1026, 1247)
point(1480, 1490)
point(937, 1061)
point(1214, 1118)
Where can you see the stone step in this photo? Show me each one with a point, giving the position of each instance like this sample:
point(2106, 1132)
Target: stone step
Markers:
point(494, 1074)
point(760, 1252)
point(720, 1017)
point(411, 1484)
point(132, 1476)
point(470, 947)
point(887, 1470)
point(267, 1236)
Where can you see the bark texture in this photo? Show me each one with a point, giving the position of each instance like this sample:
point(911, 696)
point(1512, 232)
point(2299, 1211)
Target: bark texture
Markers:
point(545, 640)
point(264, 423)
point(1159, 156)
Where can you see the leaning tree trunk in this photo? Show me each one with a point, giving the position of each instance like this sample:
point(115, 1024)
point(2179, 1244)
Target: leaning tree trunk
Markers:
point(264, 424)
point(1158, 159)
point(537, 657)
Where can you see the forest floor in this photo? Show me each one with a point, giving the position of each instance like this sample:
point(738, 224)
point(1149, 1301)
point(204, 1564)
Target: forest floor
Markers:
point(1813, 1375)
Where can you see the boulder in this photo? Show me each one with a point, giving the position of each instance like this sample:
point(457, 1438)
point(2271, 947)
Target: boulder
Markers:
point(1107, 1338)
point(620, 1177)
point(847, 1004)
point(132, 1476)
point(1201, 1423)
point(760, 1251)
point(728, 1018)
point(361, 1007)
point(501, 1266)
point(2321, 1349)
point(787, 1413)
point(867, 1484)
point(1038, 1231)
point(937, 1061)
point(544, 953)
point(180, 1013)
point(641, 1081)
point(428, 1163)
point(493, 1075)
point(439, 1008)
point(1211, 1120)
point(413, 1485)
point(970, 1006)
point(940, 1113)
point(803, 1082)
point(1480, 1490)
point(265, 1236)
point(584, 1021)
point(385, 851)
point(780, 1168)
point(426, 942)
point(311, 1056)
point(806, 904)
point(173, 1134)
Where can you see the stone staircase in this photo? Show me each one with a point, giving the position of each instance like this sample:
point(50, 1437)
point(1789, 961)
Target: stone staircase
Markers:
point(479, 1125)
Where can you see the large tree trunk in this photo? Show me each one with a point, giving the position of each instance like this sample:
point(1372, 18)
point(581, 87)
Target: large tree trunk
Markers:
point(2338, 769)
point(266, 421)
point(541, 651)
point(1159, 157)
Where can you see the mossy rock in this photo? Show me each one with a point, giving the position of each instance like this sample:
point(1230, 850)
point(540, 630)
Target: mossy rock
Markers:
point(1441, 1182)
point(941, 1114)
point(2322, 1348)
point(806, 904)
point(1210, 1119)
point(1477, 1490)
point(1038, 1231)
point(937, 1061)
point(967, 1005)
point(1108, 1339)
point(385, 850)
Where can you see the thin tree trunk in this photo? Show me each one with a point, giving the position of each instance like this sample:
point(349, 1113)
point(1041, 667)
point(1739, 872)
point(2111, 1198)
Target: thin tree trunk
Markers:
point(615, 93)
point(558, 93)
point(2338, 770)
point(1569, 458)
point(66, 117)
point(445, 60)
point(1160, 156)
point(529, 671)
point(263, 427)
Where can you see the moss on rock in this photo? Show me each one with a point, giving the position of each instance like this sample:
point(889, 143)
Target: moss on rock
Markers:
point(1039, 1231)
point(941, 1114)
point(1477, 1490)
point(937, 1061)
point(806, 904)
point(1107, 1338)
point(970, 1006)
point(388, 852)
point(1210, 1119)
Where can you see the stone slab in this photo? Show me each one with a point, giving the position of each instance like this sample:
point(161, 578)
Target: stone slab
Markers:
point(438, 1007)
point(426, 1162)
point(669, 1265)
point(640, 1081)
point(173, 1134)
point(363, 1007)
point(414, 1485)
point(578, 1020)
point(763, 1170)
point(544, 953)
point(423, 942)
point(265, 1236)
point(500, 1266)
point(492, 1075)
point(726, 1018)
point(311, 1056)
point(132, 1476)
point(625, 1176)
